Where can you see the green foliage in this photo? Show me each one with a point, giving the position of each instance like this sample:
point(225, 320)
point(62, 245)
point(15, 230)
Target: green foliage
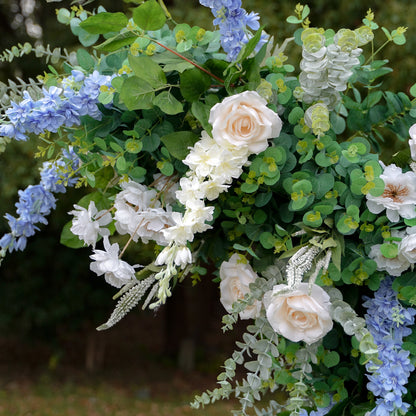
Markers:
point(303, 199)
point(149, 16)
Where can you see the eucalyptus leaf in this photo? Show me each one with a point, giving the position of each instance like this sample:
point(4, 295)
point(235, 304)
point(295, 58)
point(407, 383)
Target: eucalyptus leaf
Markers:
point(148, 70)
point(137, 94)
point(149, 15)
point(104, 22)
point(193, 83)
point(178, 143)
point(168, 103)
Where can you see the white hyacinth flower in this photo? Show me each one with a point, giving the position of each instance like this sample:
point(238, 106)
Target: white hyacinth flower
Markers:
point(181, 232)
point(204, 156)
point(106, 262)
point(180, 256)
point(191, 189)
point(88, 224)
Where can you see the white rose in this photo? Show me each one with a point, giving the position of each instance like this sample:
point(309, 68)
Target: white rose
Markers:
point(236, 277)
point(407, 247)
point(399, 196)
point(299, 314)
point(395, 266)
point(412, 141)
point(244, 120)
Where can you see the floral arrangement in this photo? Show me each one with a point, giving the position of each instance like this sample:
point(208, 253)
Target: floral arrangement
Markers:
point(212, 150)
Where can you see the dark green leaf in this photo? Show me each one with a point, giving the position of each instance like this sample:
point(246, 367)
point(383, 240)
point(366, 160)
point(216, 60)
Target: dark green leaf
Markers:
point(193, 83)
point(117, 42)
point(68, 239)
point(148, 70)
point(177, 143)
point(85, 60)
point(168, 103)
point(137, 94)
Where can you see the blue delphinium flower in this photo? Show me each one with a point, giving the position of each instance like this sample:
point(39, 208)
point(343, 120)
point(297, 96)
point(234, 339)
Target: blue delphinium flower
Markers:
point(57, 107)
point(388, 321)
point(233, 21)
point(37, 201)
point(320, 411)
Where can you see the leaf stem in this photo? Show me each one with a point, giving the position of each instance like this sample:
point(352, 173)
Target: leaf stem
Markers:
point(165, 9)
point(188, 60)
point(377, 51)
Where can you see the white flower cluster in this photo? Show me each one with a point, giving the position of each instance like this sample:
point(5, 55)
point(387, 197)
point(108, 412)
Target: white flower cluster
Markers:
point(241, 125)
point(139, 213)
point(88, 224)
point(399, 201)
point(107, 262)
point(326, 69)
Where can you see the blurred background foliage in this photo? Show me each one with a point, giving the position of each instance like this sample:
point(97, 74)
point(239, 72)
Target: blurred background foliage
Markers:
point(50, 286)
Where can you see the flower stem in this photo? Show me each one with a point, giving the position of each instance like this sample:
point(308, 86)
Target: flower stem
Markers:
point(165, 9)
point(371, 58)
point(188, 60)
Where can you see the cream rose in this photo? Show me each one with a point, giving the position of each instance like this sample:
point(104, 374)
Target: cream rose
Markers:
point(244, 120)
point(236, 277)
point(300, 314)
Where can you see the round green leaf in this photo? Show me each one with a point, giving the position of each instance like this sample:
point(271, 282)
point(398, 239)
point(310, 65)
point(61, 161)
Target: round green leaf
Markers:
point(249, 188)
point(389, 250)
point(295, 115)
point(121, 164)
point(267, 240)
point(331, 359)
point(133, 146)
point(105, 22)
point(167, 168)
point(149, 16)
point(168, 103)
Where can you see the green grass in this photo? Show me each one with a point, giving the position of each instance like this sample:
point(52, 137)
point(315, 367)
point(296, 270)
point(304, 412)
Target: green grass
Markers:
point(50, 398)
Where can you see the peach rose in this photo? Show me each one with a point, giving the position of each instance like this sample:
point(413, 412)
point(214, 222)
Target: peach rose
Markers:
point(244, 120)
point(299, 314)
point(236, 277)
